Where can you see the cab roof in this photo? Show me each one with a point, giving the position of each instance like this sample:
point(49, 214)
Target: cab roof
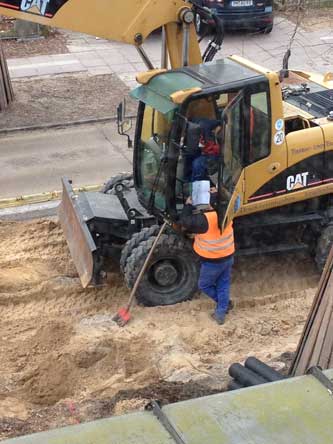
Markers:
point(208, 77)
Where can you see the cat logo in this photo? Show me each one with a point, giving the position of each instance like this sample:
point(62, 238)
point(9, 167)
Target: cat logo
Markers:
point(298, 181)
point(35, 6)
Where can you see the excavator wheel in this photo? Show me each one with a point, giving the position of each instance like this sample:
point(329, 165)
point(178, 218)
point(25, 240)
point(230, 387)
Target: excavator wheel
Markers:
point(125, 178)
point(134, 242)
point(172, 275)
point(324, 246)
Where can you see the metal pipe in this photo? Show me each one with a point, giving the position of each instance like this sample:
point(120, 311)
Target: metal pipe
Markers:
point(262, 369)
point(164, 51)
point(245, 376)
point(145, 57)
point(234, 385)
point(186, 44)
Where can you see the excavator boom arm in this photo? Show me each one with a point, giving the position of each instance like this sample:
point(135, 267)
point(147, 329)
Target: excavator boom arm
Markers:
point(126, 21)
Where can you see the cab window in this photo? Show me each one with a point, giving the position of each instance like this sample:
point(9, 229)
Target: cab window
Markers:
point(260, 126)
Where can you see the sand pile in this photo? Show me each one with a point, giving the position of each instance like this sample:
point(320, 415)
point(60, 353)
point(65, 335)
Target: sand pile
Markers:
point(63, 360)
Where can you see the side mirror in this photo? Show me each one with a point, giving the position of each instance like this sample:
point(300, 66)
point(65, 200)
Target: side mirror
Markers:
point(124, 124)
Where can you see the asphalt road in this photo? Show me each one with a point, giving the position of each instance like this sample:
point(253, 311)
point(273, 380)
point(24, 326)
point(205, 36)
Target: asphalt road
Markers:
point(34, 162)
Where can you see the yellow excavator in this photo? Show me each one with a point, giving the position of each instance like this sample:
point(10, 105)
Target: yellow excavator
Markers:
point(273, 167)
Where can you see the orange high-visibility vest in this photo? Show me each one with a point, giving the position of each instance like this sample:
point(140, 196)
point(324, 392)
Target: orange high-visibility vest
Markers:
point(213, 244)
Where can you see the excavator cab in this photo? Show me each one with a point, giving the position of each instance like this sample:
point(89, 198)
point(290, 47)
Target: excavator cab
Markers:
point(200, 123)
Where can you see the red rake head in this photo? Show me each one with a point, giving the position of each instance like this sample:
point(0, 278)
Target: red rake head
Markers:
point(122, 317)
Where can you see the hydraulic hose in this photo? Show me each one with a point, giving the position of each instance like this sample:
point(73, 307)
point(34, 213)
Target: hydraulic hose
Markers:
point(215, 44)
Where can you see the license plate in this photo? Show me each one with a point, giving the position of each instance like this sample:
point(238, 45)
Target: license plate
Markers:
point(241, 3)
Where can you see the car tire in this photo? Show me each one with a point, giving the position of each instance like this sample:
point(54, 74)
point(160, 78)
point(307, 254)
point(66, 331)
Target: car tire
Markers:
point(268, 29)
point(172, 275)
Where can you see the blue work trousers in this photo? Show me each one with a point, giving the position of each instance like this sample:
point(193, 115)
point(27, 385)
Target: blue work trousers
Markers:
point(215, 280)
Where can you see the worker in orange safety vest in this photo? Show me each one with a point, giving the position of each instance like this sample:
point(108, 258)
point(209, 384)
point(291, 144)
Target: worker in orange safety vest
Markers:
point(216, 251)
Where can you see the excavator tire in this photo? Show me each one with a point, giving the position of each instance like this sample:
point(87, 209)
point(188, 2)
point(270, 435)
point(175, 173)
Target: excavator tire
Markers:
point(324, 245)
point(172, 275)
point(134, 242)
point(125, 178)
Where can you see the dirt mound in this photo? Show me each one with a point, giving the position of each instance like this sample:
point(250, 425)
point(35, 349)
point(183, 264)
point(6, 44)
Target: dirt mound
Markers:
point(51, 381)
point(65, 361)
point(49, 337)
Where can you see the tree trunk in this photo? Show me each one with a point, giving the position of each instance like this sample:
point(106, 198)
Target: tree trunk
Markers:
point(6, 90)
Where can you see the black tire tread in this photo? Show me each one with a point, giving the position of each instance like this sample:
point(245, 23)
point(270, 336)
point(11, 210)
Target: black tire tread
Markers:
point(127, 178)
point(267, 29)
point(134, 242)
point(172, 243)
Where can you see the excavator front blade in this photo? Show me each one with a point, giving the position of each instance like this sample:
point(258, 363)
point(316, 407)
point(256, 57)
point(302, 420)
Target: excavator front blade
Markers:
point(79, 239)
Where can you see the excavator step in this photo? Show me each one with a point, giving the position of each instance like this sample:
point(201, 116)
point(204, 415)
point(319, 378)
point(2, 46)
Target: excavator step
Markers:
point(278, 248)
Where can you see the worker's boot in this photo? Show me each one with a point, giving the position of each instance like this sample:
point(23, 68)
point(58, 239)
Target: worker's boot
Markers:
point(219, 319)
point(230, 306)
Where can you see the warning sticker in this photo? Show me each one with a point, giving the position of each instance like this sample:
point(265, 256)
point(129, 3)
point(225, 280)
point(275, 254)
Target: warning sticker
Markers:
point(279, 138)
point(279, 124)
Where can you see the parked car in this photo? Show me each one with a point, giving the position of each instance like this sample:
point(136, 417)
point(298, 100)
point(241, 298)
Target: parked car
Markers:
point(239, 14)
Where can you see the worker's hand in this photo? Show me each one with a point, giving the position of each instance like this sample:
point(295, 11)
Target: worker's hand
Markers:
point(213, 190)
point(225, 194)
point(189, 200)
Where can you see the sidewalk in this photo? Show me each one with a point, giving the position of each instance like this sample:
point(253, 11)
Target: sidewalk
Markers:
point(311, 51)
point(89, 55)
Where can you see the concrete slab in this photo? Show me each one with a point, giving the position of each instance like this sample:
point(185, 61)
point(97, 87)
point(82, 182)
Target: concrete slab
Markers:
point(122, 68)
point(77, 48)
point(113, 57)
point(99, 70)
point(58, 69)
point(139, 66)
point(22, 73)
point(63, 57)
point(27, 212)
point(40, 59)
point(90, 60)
point(128, 78)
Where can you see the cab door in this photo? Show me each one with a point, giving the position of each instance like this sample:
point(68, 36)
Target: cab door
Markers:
point(266, 153)
point(231, 173)
point(259, 150)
